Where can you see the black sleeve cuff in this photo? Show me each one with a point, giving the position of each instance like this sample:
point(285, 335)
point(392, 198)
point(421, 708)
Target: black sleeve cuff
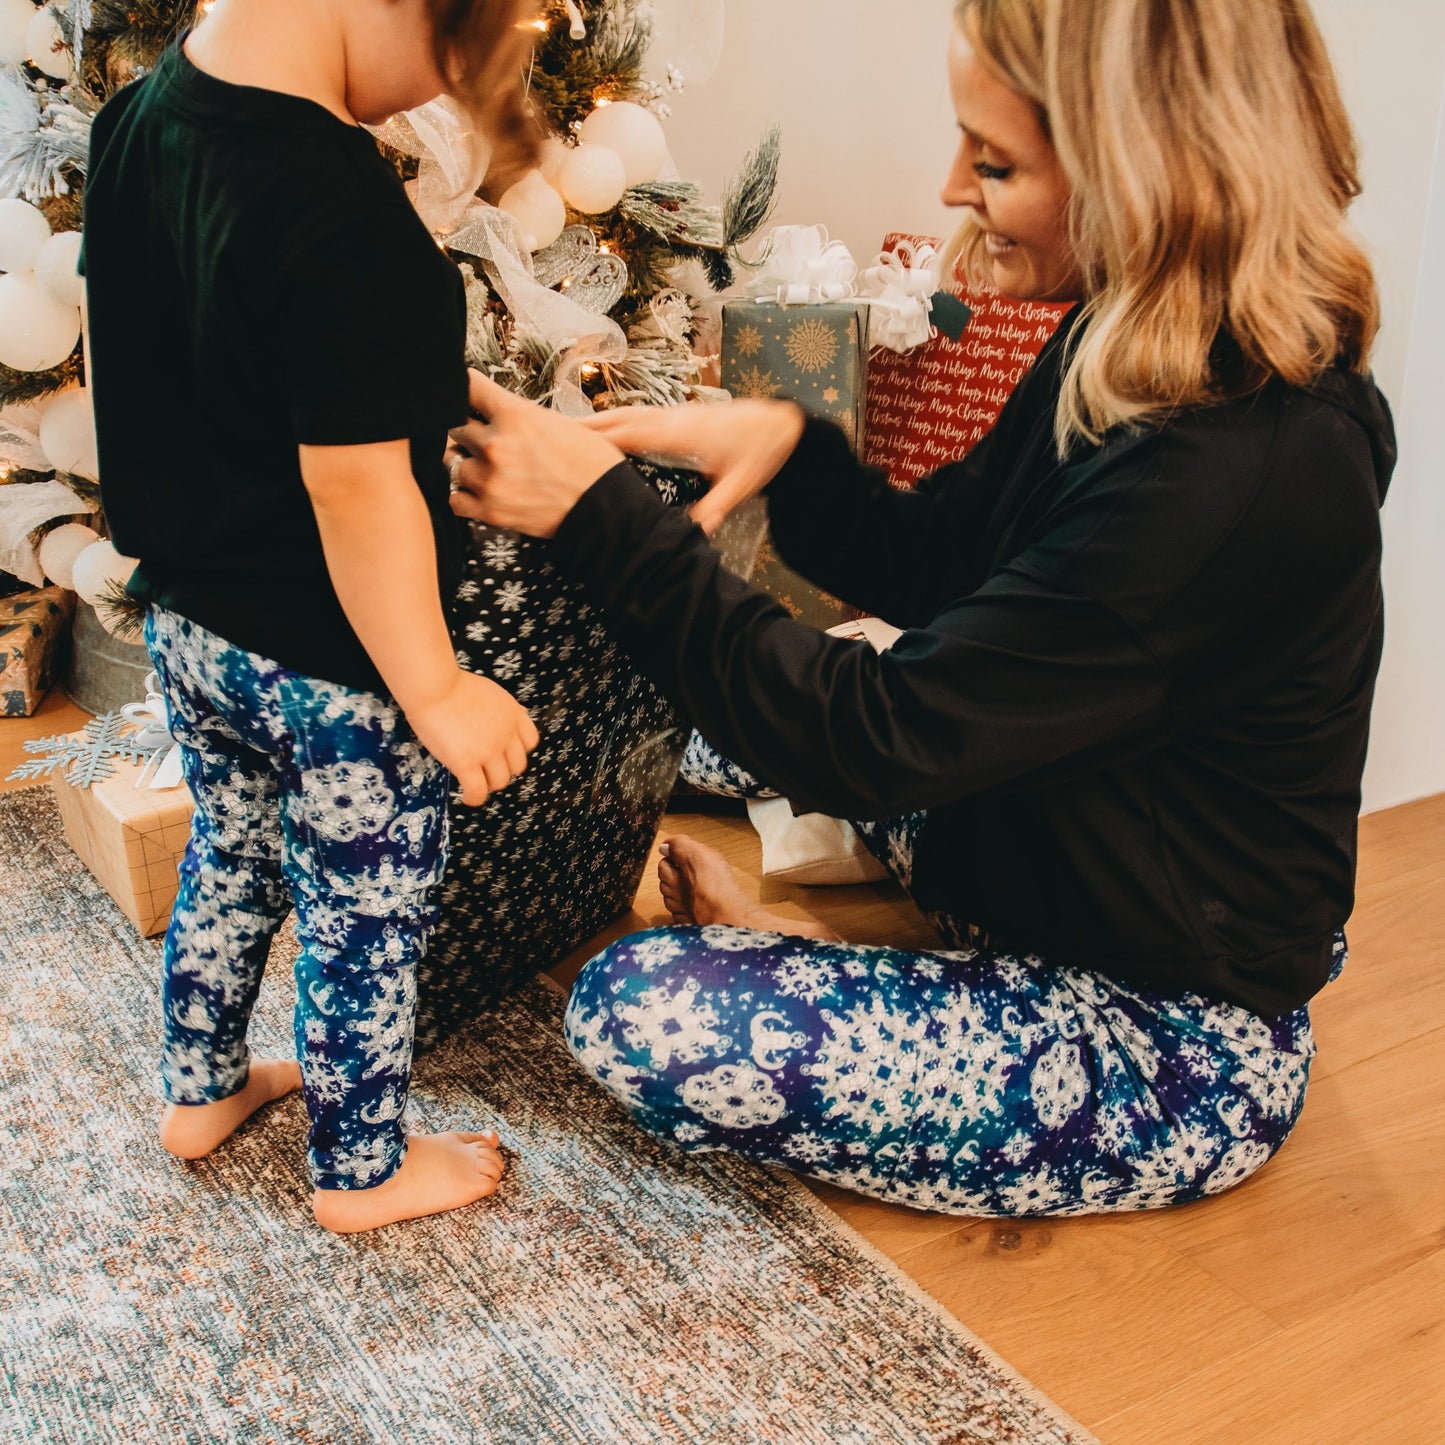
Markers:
point(611, 519)
point(822, 452)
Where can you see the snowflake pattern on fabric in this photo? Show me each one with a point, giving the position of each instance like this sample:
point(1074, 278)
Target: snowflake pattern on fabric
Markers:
point(969, 1081)
point(708, 771)
point(547, 862)
point(317, 795)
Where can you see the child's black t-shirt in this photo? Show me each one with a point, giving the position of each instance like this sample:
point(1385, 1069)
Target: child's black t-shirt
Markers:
point(257, 280)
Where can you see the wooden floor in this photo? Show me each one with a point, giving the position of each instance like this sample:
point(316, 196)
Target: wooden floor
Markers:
point(1305, 1308)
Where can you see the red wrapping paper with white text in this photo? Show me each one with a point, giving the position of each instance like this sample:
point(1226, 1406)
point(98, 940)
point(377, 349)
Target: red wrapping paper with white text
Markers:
point(929, 406)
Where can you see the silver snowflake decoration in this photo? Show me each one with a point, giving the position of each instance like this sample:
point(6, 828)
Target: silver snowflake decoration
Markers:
point(89, 755)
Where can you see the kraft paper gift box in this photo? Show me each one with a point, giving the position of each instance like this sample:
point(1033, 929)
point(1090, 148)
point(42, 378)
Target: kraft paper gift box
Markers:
point(131, 838)
point(931, 405)
point(33, 627)
point(816, 355)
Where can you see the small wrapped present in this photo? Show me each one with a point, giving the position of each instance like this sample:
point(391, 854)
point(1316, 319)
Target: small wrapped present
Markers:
point(33, 628)
point(931, 404)
point(814, 355)
point(131, 837)
point(800, 337)
point(125, 810)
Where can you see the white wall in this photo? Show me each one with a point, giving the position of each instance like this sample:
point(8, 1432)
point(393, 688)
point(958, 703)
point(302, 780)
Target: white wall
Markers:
point(1391, 56)
point(860, 90)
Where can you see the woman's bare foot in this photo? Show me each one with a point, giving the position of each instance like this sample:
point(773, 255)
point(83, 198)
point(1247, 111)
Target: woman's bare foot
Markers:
point(439, 1172)
point(699, 886)
point(191, 1131)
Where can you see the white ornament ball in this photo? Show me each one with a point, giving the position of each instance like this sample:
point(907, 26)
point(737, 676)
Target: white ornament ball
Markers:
point(97, 569)
point(592, 179)
point(554, 154)
point(45, 45)
point(60, 547)
point(633, 134)
point(23, 233)
point(55, 268)
point(15, 18)
point(36, 331)
point(537, 209)
point(67, 434)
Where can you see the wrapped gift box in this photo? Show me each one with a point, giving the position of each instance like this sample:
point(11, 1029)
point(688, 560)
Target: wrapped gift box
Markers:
point(815, 355)
point(33, 627)
point(131, 838)
point(543, 865)
point(929, 406)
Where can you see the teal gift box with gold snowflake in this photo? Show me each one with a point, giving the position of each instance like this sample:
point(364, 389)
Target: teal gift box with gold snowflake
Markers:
point(815, 355)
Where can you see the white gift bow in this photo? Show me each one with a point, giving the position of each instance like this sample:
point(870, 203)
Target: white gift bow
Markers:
point(899, 291)
point(800, 266)
point(163, 768)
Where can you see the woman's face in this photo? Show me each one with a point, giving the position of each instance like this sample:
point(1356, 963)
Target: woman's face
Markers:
point(1008, 175)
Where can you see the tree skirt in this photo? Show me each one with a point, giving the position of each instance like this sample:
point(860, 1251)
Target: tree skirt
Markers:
point(549, 861)
point(614, 1291)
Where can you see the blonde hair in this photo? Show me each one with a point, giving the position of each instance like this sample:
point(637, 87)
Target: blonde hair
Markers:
point(484, 48)
point(1211, 162)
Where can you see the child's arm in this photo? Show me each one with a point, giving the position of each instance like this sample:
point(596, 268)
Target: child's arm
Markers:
point(377, 536)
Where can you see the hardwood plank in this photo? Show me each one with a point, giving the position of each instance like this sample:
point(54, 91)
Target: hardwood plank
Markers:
point(1372, 1373)
point(1358, 1191)
point(892, 1228)
point(1085, 1308)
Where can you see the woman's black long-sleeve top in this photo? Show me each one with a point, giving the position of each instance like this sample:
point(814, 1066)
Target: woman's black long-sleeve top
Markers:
point(1133, 691)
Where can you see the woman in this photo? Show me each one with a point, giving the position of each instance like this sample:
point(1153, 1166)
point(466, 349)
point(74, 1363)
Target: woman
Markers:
point(1117, 750)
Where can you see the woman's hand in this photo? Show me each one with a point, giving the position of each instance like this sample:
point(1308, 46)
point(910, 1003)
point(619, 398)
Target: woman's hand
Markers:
point(525, 466)
point(738, 446)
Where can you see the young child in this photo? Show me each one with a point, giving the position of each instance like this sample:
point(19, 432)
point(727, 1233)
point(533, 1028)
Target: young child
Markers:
point(253, 263)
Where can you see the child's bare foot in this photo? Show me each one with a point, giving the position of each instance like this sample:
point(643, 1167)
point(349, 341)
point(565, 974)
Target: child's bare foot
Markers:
point(699, 885)
point(191, 1131)
point(438, 1173)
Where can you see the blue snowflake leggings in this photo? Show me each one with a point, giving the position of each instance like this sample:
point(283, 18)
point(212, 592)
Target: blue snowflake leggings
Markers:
point(967, 1081)
point(321, 795)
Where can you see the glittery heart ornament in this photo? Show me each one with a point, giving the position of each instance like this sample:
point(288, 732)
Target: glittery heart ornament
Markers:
point(567, 255)
point(599, 285)
point(594, 280)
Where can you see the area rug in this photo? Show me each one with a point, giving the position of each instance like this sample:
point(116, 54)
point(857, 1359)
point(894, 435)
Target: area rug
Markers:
point(614, 1291)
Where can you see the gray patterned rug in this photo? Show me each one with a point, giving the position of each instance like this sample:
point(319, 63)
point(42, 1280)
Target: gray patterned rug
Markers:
point(614, 1291)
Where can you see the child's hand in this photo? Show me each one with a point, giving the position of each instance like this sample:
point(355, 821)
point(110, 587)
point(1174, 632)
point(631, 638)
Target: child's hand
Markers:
point(478, 731)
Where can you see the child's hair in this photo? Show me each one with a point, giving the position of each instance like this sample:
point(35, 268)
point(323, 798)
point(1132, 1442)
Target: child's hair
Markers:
point(1212, 163)
point(484, 48)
